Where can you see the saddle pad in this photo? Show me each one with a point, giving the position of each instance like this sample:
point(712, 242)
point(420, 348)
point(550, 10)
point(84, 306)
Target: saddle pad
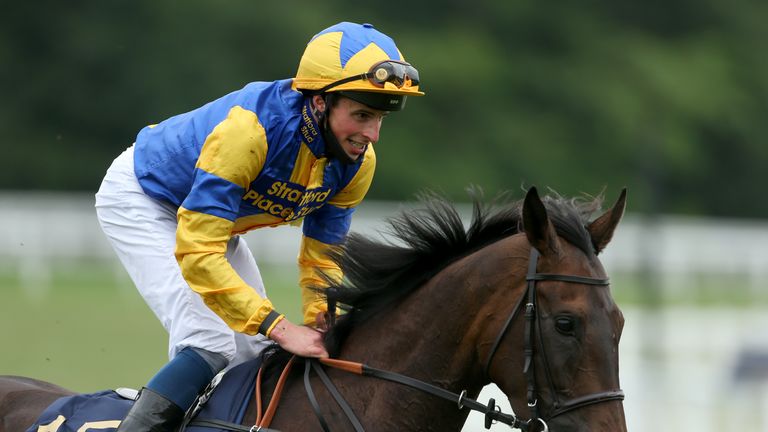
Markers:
point(102, 411)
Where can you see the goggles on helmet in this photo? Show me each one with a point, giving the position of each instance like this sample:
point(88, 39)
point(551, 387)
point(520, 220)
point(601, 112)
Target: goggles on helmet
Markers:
point(394, 72)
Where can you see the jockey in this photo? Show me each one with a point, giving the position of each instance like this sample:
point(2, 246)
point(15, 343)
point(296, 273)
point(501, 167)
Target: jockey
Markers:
point(294, 151)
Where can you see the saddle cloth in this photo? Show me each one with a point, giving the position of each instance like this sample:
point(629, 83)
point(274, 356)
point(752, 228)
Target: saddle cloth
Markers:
point(102, 411)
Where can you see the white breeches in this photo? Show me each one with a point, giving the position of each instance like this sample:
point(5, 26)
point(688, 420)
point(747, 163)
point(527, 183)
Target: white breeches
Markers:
point(142, 230)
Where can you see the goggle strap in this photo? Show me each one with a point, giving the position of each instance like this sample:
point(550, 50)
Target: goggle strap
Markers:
point(363, 76)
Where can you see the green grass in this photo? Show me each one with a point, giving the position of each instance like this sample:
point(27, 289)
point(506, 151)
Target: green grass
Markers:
point(89, 329)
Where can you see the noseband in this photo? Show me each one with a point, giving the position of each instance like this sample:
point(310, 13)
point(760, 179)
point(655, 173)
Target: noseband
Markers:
point(531, 322)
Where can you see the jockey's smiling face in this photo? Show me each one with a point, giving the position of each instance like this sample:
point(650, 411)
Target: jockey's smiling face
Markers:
point(354, 124)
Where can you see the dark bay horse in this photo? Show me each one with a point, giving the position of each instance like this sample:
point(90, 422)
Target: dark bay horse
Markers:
point(519, 298)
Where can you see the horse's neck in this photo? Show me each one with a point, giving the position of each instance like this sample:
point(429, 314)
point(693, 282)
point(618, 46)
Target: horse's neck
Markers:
point(425, 337)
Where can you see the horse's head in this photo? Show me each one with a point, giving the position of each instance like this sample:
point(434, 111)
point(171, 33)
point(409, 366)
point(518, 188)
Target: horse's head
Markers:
point(556, 355)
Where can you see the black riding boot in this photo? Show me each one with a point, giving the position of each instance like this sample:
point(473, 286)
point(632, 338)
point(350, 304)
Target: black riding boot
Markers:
point(152, 412)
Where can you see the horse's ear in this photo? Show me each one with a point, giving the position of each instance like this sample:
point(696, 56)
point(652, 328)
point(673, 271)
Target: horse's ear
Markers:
point(601, 229)
point(537, 226)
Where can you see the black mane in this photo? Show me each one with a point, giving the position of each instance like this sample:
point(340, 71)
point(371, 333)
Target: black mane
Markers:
point(379, 273)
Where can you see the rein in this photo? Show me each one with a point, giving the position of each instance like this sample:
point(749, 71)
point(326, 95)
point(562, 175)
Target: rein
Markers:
point(531, 322)
point(491, 412)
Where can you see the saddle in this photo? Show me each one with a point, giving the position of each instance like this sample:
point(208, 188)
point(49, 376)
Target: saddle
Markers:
point(224, 402)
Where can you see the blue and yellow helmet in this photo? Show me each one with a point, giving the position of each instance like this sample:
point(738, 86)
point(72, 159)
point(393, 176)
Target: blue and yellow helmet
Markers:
point(359, 62)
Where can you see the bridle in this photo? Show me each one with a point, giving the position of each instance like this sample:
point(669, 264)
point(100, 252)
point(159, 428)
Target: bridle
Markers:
point(532, 321)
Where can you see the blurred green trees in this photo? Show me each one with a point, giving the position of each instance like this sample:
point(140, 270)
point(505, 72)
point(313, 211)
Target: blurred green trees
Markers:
point(667, 98)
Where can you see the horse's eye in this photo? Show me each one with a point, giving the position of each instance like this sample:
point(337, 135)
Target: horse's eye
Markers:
point(565, 324)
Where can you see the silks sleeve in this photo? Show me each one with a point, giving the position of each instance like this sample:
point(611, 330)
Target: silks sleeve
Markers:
point(324, 228)
point(231, 157)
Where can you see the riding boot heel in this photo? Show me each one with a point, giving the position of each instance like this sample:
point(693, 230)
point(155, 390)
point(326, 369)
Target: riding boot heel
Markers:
point(152, 412)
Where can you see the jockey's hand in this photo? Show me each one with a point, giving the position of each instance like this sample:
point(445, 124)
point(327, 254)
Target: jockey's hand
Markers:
point(300, 340)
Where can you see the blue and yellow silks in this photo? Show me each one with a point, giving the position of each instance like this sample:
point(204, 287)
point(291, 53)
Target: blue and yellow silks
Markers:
point(251, 159)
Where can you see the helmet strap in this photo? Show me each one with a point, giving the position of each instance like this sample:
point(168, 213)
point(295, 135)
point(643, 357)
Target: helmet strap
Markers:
point(332, 145)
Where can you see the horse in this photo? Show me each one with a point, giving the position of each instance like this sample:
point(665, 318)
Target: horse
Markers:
point(518, 298)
